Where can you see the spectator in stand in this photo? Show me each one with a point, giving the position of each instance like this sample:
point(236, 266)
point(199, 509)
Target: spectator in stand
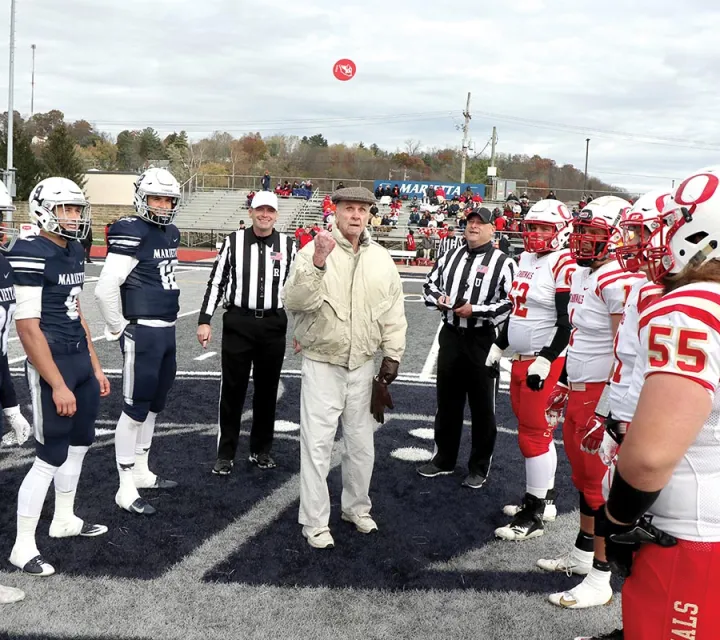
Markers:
point(429, 194)
point(340, 185)
point(468, 193)
point(500, 223)
point(440, 217)
point(266, 181)
point(454, 208)
point(373, 209)
point(410, 241)
point(251, 195)
point(278, 189)
point(379, 192)
point(551, 195)
point(241, 225)
point(396, 191)
point(432, 223)
point(449, 242)
point(298, 233)
point(424, 221)
point(396, 204)
point(385, 221)
point(375, 220)
point(581, 205)
point(426, 246)
point(315, 229)
point(414, 202)
point(476, 199)
point(286, 190)
point(414, 217)
point(511, 196)
point(440, 194)
point(296, 185)
point(306, 236)
point(309, 185)
point(387, 191)
point(394, 217)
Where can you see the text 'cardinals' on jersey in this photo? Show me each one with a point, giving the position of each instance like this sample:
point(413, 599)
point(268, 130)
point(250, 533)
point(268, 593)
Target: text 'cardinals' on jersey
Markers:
point(7, 302)
point(60, 271)
point(682, 334)
point(623, 395)
point(594, 297)
point(537, 279)
point(150, 290)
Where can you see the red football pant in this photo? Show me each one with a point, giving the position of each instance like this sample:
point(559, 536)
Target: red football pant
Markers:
point(673, 593)
point(534, 435)
point(588, 470)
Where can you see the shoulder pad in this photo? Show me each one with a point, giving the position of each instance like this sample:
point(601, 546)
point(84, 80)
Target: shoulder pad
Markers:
point(130, 226)
point(34, 246)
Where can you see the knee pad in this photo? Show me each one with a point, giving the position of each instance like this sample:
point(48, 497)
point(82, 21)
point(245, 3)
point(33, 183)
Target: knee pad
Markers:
point(585, 508)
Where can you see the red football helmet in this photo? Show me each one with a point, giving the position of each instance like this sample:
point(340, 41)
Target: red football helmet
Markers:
point(595, 233)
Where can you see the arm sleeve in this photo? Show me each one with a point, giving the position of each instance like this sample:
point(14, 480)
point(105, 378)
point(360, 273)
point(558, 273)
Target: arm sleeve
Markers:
point(394, 323)
point(115, 271)
point(432, 289)
point(303, 291)
point(562, 327)
point(217, 282)
point(28, 301)
point(497, 312)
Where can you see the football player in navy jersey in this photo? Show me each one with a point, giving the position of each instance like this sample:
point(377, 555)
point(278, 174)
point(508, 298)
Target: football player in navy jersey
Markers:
point(8, 236)
point(139, 300)
point(63, 371)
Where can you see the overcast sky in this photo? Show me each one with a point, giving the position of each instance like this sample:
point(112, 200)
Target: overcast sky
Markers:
point(640, 78)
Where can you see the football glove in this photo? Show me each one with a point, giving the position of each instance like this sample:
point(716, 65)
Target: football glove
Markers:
point(623, 540)
point(537, 372)
point(492, 362)
point(379, 400)
point(594, 432)
point(556, 405)
point(19, 424)
point(608, 450)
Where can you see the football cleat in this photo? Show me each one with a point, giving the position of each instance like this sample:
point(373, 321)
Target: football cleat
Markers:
point(574, 561)
point(318, 537)
point(223, 467)
point(138, 506)
point(8, 595)
point(157, 483)
point(527, 523)
point(364, 524)
point(549, 514)
point(76, 528)
point(588, 593)
point(36, 566)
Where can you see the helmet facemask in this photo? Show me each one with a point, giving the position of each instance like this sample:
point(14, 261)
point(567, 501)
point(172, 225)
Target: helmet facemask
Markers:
point(65, 224)
point(637, 236)
point(540, 238)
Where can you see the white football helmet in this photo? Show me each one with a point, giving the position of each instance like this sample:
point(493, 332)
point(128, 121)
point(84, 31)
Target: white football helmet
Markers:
point(638, 229)
point(691, 233)
point(8, 235)
point(604, 213)
point(47, 208)
point(157, 182)
point(555, 225)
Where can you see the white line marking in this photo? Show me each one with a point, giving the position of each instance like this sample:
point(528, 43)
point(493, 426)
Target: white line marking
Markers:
point(431, 360)
point(207, 355)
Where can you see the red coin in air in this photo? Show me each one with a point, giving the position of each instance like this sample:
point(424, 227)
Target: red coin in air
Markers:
point(344, 69)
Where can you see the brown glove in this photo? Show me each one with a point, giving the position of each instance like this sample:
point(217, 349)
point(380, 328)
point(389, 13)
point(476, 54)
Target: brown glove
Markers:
point(388, 370)
point(379, 400)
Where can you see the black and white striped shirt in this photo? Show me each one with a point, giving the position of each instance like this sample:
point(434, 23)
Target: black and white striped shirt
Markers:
point(447, 244)
point(249, 273)
point(483, 277)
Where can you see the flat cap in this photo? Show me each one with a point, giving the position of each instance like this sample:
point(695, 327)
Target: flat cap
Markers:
point(354, 194)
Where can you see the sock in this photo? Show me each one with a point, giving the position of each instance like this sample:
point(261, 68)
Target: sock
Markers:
point(66, 481)
point(126, 434)
point(585, 542)
point(142, 448)
point(31, 497)
point(599, 565)
point(597, 578)
point(540, 472)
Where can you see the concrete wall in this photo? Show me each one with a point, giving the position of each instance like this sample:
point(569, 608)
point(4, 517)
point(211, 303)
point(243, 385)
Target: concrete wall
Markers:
point(109, 188)
point(101, 215)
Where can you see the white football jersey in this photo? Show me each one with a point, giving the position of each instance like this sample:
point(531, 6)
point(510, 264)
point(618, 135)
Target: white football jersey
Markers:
point(623, 394)
point(533, 318)
point(594, 297)
point(681, 332)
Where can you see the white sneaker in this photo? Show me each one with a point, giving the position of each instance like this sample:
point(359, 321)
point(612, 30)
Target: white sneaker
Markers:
point(318, 537)
point(591, 592)
point(575, 561)
point(364, 524)
point(8, 595)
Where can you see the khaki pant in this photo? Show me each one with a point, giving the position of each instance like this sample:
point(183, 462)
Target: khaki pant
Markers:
point(328, 393)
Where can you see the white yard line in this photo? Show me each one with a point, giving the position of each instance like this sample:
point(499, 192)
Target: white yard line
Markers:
point(207, 355)
point(431, 359)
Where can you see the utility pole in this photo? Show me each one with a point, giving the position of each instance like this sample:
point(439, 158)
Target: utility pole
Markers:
point(32, 92)
point(466, 131)
point(492, 147)
point(587, 152)
point(11, 111)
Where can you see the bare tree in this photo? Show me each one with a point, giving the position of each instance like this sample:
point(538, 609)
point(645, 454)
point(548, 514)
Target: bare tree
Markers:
point(412, 147)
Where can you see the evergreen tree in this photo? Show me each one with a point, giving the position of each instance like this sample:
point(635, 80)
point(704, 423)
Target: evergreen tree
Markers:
point(28, 168)
point(60, 159)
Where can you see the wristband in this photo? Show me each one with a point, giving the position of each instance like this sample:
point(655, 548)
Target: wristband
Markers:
point(626, 504)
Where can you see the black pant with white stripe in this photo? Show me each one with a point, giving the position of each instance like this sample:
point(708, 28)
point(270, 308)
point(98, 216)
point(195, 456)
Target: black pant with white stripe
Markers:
point(248, 341)
point(461, 374)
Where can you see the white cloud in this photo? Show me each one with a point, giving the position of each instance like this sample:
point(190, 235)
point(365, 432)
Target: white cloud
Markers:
point(547, 74)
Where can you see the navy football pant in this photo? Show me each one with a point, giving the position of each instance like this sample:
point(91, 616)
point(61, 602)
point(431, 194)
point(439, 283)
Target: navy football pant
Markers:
point(8, 398)
point(54, 433)
point(148, 370)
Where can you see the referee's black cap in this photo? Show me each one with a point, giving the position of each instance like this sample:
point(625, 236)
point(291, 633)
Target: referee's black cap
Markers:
point(483, 213)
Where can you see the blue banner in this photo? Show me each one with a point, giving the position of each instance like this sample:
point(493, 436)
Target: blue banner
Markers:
point(410, 188)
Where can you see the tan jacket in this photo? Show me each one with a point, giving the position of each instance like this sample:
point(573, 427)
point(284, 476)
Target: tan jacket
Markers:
point(345, 312)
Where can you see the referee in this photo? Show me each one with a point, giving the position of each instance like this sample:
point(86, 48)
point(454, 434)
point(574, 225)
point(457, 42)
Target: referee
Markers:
point(470, 286)
point(248, 277)
point(449, 242)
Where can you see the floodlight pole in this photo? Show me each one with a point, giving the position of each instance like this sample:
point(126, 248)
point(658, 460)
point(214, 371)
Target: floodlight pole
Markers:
point(11, 81)
point(32, 82)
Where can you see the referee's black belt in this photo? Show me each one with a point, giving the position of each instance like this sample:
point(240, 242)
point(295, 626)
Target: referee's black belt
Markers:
point(485, 329)
point(257, 313)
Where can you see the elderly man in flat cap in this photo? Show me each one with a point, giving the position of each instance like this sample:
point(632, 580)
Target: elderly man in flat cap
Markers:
point(346, 298)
